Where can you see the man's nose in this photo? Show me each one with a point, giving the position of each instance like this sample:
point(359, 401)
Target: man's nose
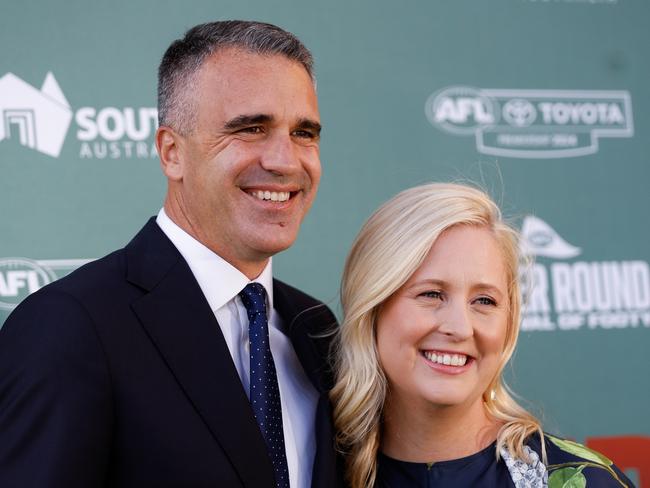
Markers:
point(279, 155)
point(456, 322)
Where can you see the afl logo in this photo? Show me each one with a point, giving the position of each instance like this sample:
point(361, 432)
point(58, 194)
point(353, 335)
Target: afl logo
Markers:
point(461, 110)
point(20, 277)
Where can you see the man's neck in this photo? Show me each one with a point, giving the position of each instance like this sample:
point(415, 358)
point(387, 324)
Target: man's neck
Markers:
point(251, 268)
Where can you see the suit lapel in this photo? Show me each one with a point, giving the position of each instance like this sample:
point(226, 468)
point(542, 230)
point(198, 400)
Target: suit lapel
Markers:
point(179, 322)
point(308, 328)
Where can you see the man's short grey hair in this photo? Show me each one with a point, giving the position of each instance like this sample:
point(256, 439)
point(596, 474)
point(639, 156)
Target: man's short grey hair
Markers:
point(184, 58)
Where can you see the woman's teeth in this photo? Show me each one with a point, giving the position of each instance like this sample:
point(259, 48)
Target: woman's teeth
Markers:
point(446, 359)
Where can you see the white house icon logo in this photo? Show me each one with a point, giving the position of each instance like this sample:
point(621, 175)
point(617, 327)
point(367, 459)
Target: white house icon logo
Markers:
point(38, 118)
point(540, 239)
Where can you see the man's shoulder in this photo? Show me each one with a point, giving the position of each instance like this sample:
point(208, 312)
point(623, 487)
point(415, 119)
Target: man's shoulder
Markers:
point(54, 330)
point(97, 279)
point(110, 273)
point(91, 288)
point(67, 296)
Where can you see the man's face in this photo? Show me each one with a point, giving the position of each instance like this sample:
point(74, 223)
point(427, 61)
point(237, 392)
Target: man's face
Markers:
point(251, 164)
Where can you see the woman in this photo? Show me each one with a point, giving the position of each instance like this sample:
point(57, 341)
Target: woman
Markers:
point(431, 300)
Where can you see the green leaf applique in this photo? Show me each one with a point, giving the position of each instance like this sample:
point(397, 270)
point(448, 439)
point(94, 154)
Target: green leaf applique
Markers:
point(567, 478)
point(580, 450)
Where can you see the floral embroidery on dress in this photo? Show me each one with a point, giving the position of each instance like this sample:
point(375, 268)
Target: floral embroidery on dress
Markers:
point(570, 475)
point(535, 474)
point(523, 474)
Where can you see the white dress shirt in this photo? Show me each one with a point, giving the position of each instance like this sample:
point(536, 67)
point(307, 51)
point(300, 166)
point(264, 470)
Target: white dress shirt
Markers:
point(221, 283)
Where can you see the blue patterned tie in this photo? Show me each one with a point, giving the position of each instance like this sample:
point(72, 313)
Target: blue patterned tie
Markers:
point(264, 390)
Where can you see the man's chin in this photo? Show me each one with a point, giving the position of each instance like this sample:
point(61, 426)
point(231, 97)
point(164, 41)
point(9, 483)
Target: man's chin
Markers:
point(271, 242)
point(274, 238)
point(269, 249)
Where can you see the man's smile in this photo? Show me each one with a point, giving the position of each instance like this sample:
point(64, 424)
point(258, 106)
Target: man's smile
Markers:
point(274, 196)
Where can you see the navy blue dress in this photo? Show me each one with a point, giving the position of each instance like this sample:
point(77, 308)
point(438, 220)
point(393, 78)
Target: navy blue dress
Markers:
point(479, 469)
point(482, 469)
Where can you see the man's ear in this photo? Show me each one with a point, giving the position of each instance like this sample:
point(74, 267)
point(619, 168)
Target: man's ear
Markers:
point(168, 146)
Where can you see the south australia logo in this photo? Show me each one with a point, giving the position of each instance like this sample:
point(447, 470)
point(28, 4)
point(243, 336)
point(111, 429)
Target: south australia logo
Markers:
point(41, 119)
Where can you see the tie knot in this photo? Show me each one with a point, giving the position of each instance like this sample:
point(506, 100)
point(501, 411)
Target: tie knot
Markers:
point(253, 296)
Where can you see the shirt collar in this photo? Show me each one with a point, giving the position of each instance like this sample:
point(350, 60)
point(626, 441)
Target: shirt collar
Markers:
point(219, 280)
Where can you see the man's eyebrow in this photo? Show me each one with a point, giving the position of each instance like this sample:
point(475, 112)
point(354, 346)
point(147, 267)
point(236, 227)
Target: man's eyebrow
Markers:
point(246, 120)
point(309, 124)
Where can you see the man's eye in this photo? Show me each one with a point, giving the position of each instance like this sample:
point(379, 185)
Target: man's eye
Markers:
point(251, 130)
point(486, 301)
point(304, 134)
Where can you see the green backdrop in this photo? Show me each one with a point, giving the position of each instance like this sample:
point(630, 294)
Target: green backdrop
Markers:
point(543, 102)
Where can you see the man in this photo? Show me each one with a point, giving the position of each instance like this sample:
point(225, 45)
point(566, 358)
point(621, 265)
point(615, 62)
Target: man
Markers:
point(138, 370)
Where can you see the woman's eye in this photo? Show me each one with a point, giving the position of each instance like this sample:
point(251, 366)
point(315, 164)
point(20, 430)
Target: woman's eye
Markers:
point(432, 294)
point(486, 301)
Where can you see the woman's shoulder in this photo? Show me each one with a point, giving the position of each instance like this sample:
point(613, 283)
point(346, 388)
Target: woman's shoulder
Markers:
point(570, 464)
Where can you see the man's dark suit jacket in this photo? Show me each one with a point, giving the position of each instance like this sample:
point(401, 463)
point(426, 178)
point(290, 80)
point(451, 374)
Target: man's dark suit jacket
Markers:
point(118, 375)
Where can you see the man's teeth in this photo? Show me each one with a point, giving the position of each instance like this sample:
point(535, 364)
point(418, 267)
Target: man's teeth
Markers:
point(274, 196)
point(448, 359)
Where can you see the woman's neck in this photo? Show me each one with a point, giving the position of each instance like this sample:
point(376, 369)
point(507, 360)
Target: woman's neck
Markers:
point(433, 433)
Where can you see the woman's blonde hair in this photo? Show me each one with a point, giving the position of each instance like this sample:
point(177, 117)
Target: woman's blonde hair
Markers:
point(390, 247)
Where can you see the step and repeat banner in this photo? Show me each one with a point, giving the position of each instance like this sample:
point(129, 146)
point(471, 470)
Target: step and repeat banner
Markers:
point(544, 103)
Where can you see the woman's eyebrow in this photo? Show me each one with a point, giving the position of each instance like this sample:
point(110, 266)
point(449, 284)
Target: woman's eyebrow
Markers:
point(429, 282)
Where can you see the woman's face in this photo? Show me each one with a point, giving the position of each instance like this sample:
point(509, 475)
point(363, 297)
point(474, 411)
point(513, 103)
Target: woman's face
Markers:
point(440, 336)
